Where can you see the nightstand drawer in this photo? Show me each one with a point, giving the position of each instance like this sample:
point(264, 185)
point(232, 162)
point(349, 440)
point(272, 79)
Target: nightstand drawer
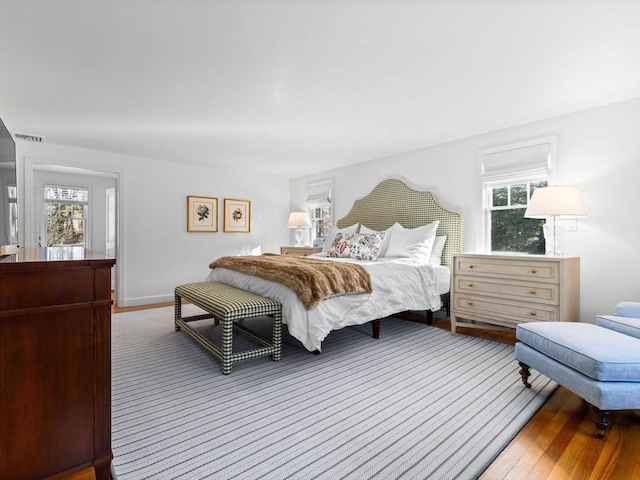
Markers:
point(526, 270)
point(531, 292)
point(299, 251)
point(526, 312)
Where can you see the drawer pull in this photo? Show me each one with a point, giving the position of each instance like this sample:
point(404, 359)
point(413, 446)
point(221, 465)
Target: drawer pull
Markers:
point(533, 270)
point(470, 285)
point(470, 266)
point(533, 292)
point(533, 314)
point(469, 302)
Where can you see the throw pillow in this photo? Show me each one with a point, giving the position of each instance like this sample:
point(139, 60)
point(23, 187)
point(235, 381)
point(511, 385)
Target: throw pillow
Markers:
point(328, 243)
point(361, 246)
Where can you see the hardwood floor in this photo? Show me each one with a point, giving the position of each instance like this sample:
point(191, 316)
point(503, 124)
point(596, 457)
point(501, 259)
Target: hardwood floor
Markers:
point(559, 442)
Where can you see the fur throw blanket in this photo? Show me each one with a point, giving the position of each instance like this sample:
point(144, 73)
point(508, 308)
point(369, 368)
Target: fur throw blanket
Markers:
point(311, 279)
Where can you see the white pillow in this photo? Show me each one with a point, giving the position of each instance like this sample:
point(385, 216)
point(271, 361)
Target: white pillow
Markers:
point(332, 235)
point(411, 242)
point(436, 252)
point(365, 229)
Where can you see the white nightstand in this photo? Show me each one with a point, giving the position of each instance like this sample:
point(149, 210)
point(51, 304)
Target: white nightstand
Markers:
point(505, 290)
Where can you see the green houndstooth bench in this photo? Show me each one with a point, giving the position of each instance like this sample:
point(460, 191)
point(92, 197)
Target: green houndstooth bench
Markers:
point(226, 304)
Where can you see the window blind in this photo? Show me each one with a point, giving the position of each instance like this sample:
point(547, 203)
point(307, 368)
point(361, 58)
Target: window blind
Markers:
point(318, 194)
point(529, 162)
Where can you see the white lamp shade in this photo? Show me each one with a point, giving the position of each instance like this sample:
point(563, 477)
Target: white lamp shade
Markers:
point(556, 201)
point(299, 220)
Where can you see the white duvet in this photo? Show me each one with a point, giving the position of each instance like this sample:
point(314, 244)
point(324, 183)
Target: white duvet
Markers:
point(399, 285)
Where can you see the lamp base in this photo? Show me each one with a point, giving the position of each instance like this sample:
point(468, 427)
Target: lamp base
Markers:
point(553, 236)
point(299, 237)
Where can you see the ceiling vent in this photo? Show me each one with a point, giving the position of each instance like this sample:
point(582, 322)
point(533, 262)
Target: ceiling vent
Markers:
point(29, 138)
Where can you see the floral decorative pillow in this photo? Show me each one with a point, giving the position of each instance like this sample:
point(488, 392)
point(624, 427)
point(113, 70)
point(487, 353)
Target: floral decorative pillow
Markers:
point(328, 243)
point(385, 242)
point(357, 245)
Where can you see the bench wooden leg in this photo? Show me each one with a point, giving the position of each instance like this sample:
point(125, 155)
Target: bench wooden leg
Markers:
point(525, 373)
point(601, 419)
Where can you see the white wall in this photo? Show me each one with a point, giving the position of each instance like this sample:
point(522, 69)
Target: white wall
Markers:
point(156, 252)
point(598, 151)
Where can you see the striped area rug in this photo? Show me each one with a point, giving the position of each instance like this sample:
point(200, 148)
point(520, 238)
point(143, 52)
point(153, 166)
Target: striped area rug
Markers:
point(419, 403)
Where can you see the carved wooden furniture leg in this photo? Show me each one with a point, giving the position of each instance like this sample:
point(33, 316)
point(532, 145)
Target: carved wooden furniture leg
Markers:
point(375, 325)
point(601, 419)
point(525, 373)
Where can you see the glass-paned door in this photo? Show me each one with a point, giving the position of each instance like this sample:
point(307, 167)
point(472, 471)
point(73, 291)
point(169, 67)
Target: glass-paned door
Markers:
point(66, 216)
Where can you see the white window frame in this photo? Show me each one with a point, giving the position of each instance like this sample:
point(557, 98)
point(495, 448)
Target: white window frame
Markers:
point(12, 199)
point(319, 195)
point(488, 202)
point(513, 173)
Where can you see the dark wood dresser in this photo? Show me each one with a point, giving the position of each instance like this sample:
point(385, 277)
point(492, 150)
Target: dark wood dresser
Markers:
point(55, 363)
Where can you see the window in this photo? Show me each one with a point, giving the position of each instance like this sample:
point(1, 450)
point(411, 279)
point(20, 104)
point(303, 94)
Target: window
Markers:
point(13, 214)
point(509, 230)
point(318, 205)
point(510, 174)
point(66, 211)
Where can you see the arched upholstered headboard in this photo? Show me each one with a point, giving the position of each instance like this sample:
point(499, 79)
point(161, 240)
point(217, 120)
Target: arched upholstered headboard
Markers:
point(392, 201)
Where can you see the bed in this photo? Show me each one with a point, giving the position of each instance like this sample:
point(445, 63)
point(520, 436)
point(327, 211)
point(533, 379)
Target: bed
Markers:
point(399, 284)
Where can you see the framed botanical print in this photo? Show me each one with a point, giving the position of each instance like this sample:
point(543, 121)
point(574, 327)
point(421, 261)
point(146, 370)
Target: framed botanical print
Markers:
point(202, 214)
point(237, 215)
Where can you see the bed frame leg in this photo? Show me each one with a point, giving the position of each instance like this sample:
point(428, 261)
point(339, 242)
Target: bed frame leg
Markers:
point(375, 325)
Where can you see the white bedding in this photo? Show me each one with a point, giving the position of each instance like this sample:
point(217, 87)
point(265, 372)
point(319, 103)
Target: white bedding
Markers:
point(399, 284)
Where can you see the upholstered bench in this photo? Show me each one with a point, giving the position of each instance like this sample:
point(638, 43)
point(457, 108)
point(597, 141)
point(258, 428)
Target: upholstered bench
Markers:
point(600, 365)
point(226, 304)
point(625, 319)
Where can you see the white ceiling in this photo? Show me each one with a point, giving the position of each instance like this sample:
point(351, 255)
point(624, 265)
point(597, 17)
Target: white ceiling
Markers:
point(304, 86)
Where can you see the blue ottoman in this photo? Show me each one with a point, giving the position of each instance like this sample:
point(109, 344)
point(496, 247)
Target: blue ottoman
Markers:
point(601, 366)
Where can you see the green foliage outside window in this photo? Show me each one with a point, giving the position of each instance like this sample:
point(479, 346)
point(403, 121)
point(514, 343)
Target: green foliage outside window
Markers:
point(510, 231)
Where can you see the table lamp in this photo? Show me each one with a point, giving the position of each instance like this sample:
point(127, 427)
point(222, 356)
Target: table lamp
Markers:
point(299, 221)
point(555, 202)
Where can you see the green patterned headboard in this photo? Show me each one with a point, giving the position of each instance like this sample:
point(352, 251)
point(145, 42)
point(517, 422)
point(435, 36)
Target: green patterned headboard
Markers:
point(392, 201)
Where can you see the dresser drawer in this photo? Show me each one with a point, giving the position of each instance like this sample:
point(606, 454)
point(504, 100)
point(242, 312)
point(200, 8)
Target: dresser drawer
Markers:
point(521, 312)
point(532, 292)
point(515, 269)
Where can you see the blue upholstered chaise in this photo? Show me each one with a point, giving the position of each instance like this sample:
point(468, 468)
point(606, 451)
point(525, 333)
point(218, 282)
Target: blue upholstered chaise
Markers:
point(600, 363)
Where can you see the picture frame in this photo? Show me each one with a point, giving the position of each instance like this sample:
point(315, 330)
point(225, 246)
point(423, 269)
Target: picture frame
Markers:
point(237, 215)
point(202, 214)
